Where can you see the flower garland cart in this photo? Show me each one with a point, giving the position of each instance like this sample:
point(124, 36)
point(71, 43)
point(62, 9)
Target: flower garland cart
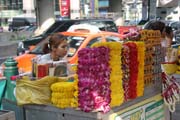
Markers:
point(109, 86)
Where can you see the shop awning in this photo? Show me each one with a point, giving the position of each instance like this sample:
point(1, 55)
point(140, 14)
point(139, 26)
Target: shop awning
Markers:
point(167, 3)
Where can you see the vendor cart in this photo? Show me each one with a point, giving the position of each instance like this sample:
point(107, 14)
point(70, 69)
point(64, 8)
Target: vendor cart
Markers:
point(7, 115)
point(110, 84)
point(148, 107)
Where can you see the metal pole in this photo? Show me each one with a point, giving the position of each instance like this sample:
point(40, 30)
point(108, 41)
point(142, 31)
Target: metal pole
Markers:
point(148, 10)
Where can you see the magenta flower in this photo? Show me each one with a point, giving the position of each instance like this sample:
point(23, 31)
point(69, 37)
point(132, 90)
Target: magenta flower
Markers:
point(93, 79)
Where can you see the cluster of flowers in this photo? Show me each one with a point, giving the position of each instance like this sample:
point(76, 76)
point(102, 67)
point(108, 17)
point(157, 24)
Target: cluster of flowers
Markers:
point(93, 79)
point(141, 58)
point(117, 92)
point(62, 95)
point(133, 69)
point(125, 69)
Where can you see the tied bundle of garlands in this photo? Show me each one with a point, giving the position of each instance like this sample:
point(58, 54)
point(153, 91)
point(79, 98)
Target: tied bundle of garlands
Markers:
point(133, 69)
point(117, 92)
point(99, 83)
point(64, 94)
point(93, 79)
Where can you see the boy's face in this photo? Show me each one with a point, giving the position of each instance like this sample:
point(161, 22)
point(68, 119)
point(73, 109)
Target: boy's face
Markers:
point(62, 49)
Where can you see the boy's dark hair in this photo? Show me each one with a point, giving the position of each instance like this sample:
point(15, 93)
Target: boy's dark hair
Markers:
point(156, 25)
point(53, 41)
point(168, 29)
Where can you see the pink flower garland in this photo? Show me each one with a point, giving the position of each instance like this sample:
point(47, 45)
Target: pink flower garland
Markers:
point(93, 75)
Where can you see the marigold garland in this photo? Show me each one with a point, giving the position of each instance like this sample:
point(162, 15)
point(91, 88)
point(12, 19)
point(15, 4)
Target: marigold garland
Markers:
point(117, 92)
point(63, 94)
point(141, 57)
point(74, 102)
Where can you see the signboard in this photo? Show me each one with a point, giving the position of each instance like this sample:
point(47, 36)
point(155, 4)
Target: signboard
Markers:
point(149, 109)
point(64, 8)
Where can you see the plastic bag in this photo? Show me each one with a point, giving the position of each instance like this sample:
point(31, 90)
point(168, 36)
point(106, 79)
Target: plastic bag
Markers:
point(34, 92)
point(169, 68)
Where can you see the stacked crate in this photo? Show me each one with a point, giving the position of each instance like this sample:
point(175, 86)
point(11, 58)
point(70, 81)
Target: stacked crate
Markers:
point(158, 55)
point(153, 56)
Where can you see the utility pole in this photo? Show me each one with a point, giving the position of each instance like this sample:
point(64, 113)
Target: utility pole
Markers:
point(149, 10)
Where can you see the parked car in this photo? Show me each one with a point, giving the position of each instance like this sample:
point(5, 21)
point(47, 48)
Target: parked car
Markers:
point(77, 40)
point(63, 25)
point(19, 23)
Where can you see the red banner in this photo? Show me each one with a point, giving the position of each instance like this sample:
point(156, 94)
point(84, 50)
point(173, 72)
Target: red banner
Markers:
point(64, 8)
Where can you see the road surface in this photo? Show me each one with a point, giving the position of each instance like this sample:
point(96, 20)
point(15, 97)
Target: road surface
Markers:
point(7, 46)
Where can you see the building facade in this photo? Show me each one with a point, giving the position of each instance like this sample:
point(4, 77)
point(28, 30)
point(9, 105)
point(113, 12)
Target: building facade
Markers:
point(168, 10)
point(10, 8)
point(151, 9)
point(62, 8)
point(132, 10)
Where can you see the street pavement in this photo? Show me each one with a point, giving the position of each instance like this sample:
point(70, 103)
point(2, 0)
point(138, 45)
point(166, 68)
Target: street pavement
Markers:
point(9, 42)
point(7, 45)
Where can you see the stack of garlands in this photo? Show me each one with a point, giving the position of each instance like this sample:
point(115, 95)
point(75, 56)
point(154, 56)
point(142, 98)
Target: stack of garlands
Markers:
point(63, 94)
point(117, 92)
point(140, 79)
point(126, 70)
point(133, 70)
point(151, 39)
point(93, 79)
